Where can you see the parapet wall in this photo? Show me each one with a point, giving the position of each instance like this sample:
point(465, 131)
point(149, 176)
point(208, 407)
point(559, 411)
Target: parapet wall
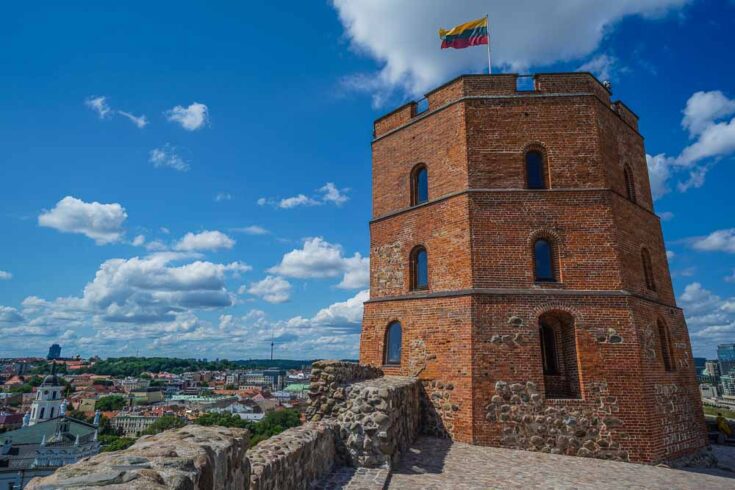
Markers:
point(358, 418)
point(193, 457)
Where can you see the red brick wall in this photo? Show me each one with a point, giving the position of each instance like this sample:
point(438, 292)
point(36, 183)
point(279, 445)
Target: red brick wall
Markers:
point(473, 335)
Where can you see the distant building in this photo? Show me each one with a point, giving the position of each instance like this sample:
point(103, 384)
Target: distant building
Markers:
point(726, 358)
point(131, 425)
point(147, 396)
point(47, 440)
point(728, 385)
point(712, 368)
point(708, 391)
point(54, 352)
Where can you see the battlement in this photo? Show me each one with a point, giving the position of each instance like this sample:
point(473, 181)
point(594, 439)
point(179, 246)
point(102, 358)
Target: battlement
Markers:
point(502, 86)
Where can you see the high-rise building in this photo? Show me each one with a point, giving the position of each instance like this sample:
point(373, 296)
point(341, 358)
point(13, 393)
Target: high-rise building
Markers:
point(518, 268)
point(712, 368)
point(726, 358)
point(54, 352)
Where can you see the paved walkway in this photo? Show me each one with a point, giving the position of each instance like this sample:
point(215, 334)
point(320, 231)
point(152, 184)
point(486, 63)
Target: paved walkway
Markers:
point(436, 464)
point(344, 478)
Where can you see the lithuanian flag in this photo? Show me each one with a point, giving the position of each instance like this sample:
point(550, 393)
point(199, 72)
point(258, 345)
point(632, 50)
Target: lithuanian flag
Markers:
point(471, 33)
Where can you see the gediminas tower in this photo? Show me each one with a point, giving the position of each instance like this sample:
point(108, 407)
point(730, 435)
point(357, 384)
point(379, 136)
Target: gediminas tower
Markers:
point(518, 269)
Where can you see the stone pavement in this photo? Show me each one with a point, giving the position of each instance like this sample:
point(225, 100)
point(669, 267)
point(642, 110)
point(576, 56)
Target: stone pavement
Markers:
point(437, 464)
point(354, 479)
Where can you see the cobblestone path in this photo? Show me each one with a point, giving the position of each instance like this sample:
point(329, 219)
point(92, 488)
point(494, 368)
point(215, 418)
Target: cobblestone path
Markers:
point(354, 479)
point(436, 464)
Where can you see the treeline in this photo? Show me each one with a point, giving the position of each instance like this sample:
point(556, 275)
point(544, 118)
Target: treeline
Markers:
point(134, 366)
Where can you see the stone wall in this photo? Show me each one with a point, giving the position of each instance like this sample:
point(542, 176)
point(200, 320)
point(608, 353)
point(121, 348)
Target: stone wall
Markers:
point(379, 420)
point(358, 418)
point(193, 457)
point(329, 380)
point(295, 458)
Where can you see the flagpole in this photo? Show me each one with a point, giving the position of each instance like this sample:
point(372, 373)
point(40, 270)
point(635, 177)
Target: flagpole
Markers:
point(489, 62)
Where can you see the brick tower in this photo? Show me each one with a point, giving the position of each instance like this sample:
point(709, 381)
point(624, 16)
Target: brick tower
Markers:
point(518, 269)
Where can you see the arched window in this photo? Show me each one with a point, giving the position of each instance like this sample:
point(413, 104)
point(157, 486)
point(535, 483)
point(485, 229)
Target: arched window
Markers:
point(648, 269)
point(52, 413)
point(629, 183)
point(43, 409)
point(419, 185)
point(393, 343)
point(666, 353)
point(543, 261)
point(548, 349)
point(419, 268)
point(557, 334)
point(535, 172)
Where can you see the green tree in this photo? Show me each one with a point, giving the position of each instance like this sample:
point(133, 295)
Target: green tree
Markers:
point(165, 422)
point(109, 403)
point(115, 443)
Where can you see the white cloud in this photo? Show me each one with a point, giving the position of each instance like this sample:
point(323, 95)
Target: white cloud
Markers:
point(296, 201)
point(711, 319)
point(190, 118)
point(402, 36)
point(206, 240)
point(321, 259)
point(166, 156)
point(99, 105)
point(138, 241)
point(670, 255)
point(9, 315)
point(601, 66)
point(334, 195)
point(666, 215)
point(731, 277)
point(101, 222)
point(139, 121)
point(717, 241)
point(222, 196)
point(357, 273)
point(5, 275)
point(346, 313)
point(327, 194)
point(272, 289)
point(704, 107)
point(252, 230)
point(712, 141)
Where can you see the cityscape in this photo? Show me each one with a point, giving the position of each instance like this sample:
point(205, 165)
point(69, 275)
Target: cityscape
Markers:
point(367, 244)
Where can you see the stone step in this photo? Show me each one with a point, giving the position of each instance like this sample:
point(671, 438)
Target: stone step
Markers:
point(347, 478)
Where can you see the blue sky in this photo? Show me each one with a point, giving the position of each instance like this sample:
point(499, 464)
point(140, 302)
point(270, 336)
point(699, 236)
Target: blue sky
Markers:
point(188, 179)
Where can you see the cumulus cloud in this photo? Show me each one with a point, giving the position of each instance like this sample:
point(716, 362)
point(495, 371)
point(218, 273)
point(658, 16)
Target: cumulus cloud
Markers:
point(711, 140)
point(327, 194)
point(5, 275)
point(206, 240)
point(711, 319)
point(343, 315)
point(138, 241)
point(167, 156)
point(222, 196)
point(601, 66)
point(10, 315)
point(252, 230)
point(402, 36)
point(139, 121)
point(321, 259)
point(100, 222)
point(99, 105)
point(717, 241)
point(272, 289)
point(190, 118)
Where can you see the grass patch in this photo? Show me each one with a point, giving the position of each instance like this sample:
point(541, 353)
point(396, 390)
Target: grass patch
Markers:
point(714, 411)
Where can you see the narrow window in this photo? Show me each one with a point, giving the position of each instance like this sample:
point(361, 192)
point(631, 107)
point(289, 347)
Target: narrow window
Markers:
point(629, 183)
point(43, 409)
point(419, 185)
point(535, 178)
point(647, 269)
point(666, 355)
point(543, 261)
point(52, 413)
point(419, 269)
point(393, 344)
point(548, 349)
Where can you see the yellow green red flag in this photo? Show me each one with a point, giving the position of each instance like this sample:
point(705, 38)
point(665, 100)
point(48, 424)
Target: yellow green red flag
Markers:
point(471, 33)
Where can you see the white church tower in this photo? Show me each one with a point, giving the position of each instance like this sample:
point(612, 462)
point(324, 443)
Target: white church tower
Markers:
point(49, 399)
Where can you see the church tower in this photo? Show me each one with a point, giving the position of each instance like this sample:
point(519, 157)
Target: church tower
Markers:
point(518, 268)
point(49, 402)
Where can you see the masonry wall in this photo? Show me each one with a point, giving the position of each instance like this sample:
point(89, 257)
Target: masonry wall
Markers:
point(474, 333)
